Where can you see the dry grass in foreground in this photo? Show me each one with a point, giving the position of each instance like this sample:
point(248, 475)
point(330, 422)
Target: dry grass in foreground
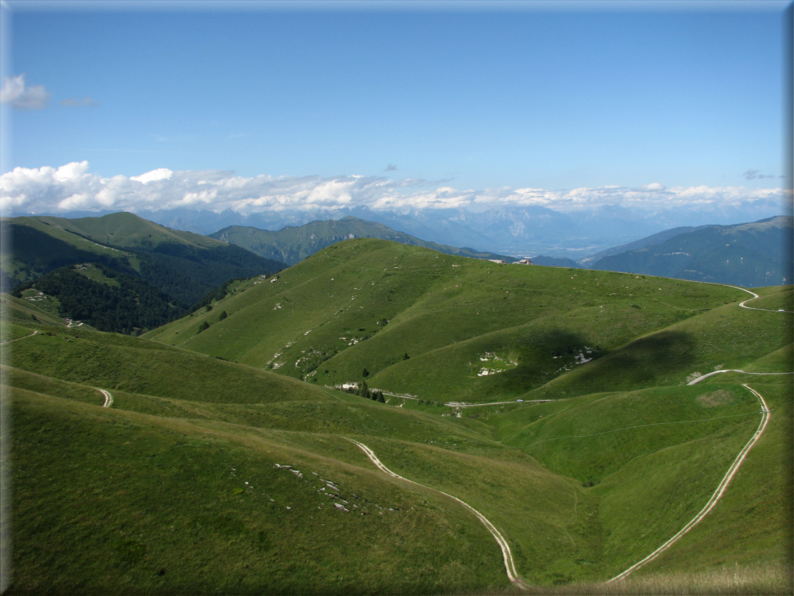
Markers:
point(741, 581)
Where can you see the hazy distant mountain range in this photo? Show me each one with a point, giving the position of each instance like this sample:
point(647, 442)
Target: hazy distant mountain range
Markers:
point(293, 244)
point(751, 255)
point(747, 254)
point(514, 231)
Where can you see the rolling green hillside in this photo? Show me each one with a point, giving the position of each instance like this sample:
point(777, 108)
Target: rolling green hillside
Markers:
point(472, 330)
point(752, 254)
point(293, 244)
point(204, 475)
point(184, 265)
point(28, 310)
point(126, 230)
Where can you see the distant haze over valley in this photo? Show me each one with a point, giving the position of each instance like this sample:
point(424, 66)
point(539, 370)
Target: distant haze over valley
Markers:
point(514, 231)
point(573, 223)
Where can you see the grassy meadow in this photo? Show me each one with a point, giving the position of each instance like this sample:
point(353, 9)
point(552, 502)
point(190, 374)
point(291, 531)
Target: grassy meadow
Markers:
point(223, 464)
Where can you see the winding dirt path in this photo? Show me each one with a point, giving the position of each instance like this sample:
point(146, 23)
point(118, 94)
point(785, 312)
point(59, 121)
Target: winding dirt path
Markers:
point(726, 480)
point(463, 404)
point(507, 555)
point(10, 341)
point(108, 398)
point(744, 304)
point(744, 372)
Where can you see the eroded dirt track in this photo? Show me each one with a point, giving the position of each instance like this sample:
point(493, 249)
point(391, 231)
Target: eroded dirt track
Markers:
point(715, 498)
point(507, 555)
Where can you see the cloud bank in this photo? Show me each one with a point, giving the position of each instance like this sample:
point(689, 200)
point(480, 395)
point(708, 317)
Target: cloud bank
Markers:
point(16, 93)
point(73, 188)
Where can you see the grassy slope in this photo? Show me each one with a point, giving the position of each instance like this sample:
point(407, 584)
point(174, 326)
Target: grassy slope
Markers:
point(40, 247)
point(447, 313)
point(573, 508)
point(84, 436)
point(726, 337)
point(119, 362)
point(756, 510)
point(249, 527)
point(126, 230)
point(774, 298)
point(17, 309)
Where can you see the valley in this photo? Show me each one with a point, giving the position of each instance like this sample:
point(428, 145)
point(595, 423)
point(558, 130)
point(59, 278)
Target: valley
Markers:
point(544, 430)
point(396, 299)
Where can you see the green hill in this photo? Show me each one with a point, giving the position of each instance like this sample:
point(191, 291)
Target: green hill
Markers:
point(126, 230)
point(206, 475)
point(184, 265)
point(750, 255)
point(472, 330)
point(106, 300)
point(27, 311)
point(293, 244)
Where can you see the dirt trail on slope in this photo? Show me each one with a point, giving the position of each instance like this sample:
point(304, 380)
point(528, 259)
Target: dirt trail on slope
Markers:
point(744, 304)
point(9, 341)
point(510, 566)
point(718, 494)
point(717, 372)
point(108, 398)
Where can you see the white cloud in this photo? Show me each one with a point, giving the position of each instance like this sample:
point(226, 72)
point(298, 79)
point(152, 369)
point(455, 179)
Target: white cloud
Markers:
point(15, 93)
point(73, 187)
point(71, 172)
point(154, 175)
point(651, 187)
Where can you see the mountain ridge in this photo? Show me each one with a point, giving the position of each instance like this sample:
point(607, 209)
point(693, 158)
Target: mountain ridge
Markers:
point(183, 264)
point(752, 254)
point(294, 243)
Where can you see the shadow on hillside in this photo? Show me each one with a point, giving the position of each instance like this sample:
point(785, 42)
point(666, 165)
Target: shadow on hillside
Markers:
point(643, 363)
point(543, 355)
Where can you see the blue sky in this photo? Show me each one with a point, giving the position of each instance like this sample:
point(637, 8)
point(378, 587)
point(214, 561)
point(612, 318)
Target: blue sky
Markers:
point(456, 98)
